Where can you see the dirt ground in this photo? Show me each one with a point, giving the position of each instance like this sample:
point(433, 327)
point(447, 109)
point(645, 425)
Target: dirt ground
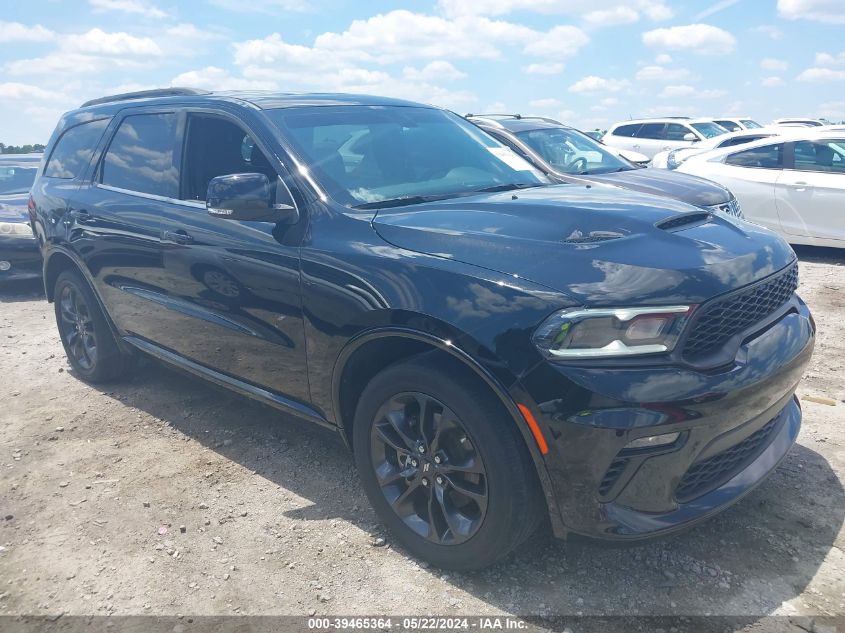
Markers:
point(165, 495)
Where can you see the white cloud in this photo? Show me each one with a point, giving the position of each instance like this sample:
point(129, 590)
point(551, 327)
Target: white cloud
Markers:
point(767, 29)
point(770, 63)
point(771, 82)
point(544, 104)
point(715, 8)
point(670, 92)
point(433, 71)
point(136, 7)
point(822, 74)
point(14, 91)
point(834, 110)
point(703, 39)
point(98, 42)
point(663, 59)
point(552, 68)
point(659, 73)
point(819, 10)
point(593, 84)
point(609, 17)
point(270, 7)
point(652, 9)
point(17, 32)
point(826, 59)
point(215, 78)
point(560, 41)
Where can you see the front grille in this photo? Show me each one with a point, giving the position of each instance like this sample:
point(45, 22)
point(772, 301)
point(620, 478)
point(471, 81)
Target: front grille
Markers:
point(731, 207)
point(617, 466)
point(709, 474)
point(717, 321)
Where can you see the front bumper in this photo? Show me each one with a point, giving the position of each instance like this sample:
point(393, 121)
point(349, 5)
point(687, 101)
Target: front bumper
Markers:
point(735, 424)
point(23, 257)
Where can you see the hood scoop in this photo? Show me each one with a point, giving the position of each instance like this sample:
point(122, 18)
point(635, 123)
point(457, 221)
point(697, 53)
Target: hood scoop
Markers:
point(684, 221)
point(577, 237)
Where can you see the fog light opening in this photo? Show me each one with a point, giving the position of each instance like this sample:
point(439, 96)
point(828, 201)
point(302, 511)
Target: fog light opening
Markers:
point(4, 265)
point(653, 441)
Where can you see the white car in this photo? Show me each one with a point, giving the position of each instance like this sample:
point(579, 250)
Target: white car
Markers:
point(650, 136)
point(735, 124)
point(673, 158)
point(799, 122)
point(794, 185)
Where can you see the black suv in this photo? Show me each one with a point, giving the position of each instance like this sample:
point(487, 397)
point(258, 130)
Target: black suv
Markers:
point(570, 156)
point(496, 352)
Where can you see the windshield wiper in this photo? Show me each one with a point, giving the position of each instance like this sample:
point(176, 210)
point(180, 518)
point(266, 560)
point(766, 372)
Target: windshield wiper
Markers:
point(509, 187)
point(400, 202)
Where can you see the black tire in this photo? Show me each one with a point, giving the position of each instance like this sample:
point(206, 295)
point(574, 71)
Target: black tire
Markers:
point(475, 536)
point(85, 333)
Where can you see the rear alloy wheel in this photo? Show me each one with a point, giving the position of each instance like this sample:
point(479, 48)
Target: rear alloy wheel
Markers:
point(444, 465)
point(86, 336)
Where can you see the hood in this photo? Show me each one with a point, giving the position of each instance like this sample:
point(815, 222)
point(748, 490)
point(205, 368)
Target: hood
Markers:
point(670, 184)
point(599, 245)
point(13, 207)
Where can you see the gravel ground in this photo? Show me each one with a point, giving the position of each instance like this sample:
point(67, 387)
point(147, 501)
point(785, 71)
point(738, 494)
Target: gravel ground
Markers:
point(165, 495)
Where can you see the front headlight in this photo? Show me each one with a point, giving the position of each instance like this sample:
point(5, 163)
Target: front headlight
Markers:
point(15, 229)
point(607, 332)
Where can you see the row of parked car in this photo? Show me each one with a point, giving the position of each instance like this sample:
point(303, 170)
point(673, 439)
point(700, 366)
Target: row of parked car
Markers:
point(508, 323)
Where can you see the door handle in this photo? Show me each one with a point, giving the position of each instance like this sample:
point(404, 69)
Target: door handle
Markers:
point(800, 185)
point(637, 146)
point(179, 236)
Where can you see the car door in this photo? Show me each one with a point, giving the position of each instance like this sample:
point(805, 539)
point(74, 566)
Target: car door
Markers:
point(649, 140)
point(234, 285)
point(115, 217)
point(810, 191)
point(675, 136)
point(751, 175)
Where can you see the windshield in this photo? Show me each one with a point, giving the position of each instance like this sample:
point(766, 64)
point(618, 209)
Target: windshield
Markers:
point(709, 130)
point(16, 179)
point(749, 124)
point(571, 152)
point(365, 155)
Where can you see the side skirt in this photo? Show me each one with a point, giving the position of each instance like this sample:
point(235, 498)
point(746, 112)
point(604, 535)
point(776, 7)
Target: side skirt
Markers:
point(270, 398)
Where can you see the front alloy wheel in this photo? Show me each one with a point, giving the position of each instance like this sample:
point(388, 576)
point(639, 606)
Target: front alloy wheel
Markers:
point(77, 328)
point(428, 469)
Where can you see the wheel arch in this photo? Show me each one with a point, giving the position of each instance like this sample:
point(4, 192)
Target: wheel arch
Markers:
point(387, 345)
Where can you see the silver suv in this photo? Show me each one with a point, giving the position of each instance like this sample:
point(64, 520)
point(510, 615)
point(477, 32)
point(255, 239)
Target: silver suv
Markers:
point(650, 136)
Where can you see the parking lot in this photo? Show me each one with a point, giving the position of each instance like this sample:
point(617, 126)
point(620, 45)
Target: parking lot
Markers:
point(166, 495)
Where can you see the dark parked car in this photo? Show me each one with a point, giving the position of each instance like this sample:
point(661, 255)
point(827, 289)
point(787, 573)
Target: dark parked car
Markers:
point(568, 155)
point(495, 351)
point(19, 255)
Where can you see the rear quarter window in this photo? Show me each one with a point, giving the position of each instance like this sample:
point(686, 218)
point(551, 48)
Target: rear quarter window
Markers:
point(74, 149)
point(627, 130)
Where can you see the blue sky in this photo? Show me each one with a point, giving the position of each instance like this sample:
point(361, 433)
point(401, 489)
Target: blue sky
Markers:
point(587, 62)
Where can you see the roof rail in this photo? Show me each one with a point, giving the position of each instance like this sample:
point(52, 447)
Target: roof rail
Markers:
point(146, 94)
point(496, 115)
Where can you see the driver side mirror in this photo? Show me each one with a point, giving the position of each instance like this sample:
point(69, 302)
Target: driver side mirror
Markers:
point(250, 197)
point(692, 138)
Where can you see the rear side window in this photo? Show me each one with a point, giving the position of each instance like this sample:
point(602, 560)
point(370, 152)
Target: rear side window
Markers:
point(627, 130)
point(676, 132)
point(74, 149)
point(140, 156)
point(651, 130)
point(766, 157)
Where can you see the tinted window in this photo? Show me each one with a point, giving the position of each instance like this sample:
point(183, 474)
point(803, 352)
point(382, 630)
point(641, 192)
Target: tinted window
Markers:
point(766, 157)
point(217, 147)
point(572, 152)
point(709, 130)
point(651, 130)
point(740, 140)
point(140, 156)
point(730, 126)
point(627, 130)
point(750, 125)
point(824, 155)
point(74, 149)
point(676, 132)
point(17, 178)
point(365, 155)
